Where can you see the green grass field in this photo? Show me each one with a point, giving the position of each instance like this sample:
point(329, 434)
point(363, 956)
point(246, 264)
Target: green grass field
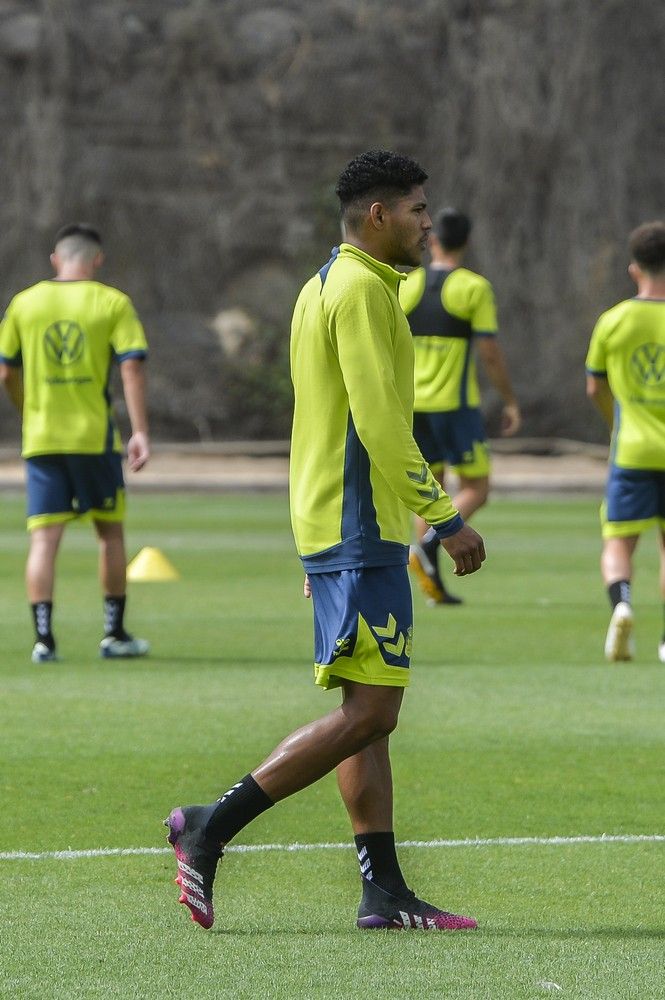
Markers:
point(513, 727)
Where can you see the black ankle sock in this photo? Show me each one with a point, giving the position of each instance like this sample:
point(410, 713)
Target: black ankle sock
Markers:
point(378, 861)
point(41, 614)
point(114, 613)
point(431, 550)
point(235, 809)
point(618, 592)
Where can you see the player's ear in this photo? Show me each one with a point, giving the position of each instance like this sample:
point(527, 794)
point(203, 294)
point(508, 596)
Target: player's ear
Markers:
point(634, 271)
point(99, 259)
point(54, 261)
point(377, 214)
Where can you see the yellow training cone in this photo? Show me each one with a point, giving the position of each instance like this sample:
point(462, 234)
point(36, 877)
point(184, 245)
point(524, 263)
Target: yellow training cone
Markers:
point(151, 565)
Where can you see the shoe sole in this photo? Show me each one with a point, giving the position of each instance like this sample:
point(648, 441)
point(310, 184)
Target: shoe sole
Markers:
point(414, 922)
point(435, 596)
point(50, 657)
point(620, 651)
point(188, 879)
point(108, 655)
point(425, 582)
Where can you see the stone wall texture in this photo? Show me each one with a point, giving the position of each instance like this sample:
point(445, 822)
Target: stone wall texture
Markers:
point(204, 138)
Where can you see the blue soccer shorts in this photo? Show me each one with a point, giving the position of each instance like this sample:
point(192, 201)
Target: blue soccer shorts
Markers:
point(455, 438)
point(363, 626)
point(63, 487)
point(634, 501)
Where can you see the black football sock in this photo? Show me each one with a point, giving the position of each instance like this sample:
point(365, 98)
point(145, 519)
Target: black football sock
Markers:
point(619, 592)
point(41, 614)
point(114, 613)
point(377, 857)
point(234, 810)
point(431, 550)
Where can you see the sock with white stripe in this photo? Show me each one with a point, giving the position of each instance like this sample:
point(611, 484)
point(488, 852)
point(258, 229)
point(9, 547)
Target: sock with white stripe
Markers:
point(41, 613)
point(237, 807)
point(114, 613)
point(377, 857)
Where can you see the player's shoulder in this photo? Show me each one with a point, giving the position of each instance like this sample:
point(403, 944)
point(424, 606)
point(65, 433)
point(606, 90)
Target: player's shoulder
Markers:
point(411, 288)
point(470, 280)
point(614, 316)
point(28, 294)
point(112, 293)
point(348, 277)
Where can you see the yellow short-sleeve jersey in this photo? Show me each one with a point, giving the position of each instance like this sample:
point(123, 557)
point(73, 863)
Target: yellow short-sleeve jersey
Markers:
point(65, 335)
point(628, 348)
point(446, 309)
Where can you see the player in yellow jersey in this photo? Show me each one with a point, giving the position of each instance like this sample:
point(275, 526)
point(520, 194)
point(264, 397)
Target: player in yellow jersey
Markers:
point(625, 368)
point(356, 472)
point(452, 316)
point(57, 342)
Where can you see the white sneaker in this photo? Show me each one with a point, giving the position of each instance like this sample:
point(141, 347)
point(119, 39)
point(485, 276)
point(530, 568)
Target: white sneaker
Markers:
point(42, 654)
point(619, 642)
point(111, 648)
point(661, 652)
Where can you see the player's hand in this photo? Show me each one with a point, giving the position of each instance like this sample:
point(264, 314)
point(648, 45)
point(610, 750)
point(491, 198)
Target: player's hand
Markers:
point(511, 420)
point(306, 587)
point(138, 451)
point(466, 549)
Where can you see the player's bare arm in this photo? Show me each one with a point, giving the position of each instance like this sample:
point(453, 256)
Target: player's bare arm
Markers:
point(494, 363)
point(12, 379)
point(600, 394)
point(467, 550)
point(132, 372)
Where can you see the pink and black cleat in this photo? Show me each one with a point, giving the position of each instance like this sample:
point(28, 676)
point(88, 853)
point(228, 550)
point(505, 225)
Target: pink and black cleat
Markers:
point(197, 859)
point(380, 910)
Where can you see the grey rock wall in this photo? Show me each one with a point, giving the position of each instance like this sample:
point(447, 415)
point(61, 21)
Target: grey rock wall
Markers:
point(204, 139)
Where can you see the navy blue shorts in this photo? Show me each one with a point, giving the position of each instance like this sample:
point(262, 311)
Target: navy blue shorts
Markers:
point(454, 437)
point(363, 626)
point(61, 487)
point(634, 500)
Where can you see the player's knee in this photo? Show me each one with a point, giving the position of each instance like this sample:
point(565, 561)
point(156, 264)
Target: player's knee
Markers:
point(376, 722)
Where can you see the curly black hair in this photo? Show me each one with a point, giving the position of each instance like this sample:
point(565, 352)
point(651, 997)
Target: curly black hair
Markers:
point(378, 171)
point(647, 246)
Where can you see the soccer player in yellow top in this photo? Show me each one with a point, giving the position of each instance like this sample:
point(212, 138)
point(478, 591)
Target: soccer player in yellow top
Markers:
point(625, 368)
point(452, 315)
point(57, 342)
point(355, 473)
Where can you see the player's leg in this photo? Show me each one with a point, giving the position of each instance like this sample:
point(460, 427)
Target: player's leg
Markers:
point(365, 779)
point(49, 508)
point(429, 431)
point(616, 566)
point(471, 494)
point(630, 507)
point(117, 642)
point(100, 492)
point(40, 579)
point(470, 460)
point(200, 833)
point(661, 645)
point(366, 787)
point(424, 556)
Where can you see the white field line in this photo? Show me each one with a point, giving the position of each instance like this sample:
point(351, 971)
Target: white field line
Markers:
point(121, 852)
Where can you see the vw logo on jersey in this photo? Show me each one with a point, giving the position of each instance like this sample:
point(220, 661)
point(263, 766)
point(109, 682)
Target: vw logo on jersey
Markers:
point(648, 364)
point(64, 342)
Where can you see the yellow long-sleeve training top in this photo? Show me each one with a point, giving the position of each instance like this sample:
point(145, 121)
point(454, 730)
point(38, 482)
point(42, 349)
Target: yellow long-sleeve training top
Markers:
point(356, 471)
